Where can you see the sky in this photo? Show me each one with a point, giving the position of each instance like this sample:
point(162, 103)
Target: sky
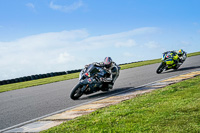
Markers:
point(42, 36)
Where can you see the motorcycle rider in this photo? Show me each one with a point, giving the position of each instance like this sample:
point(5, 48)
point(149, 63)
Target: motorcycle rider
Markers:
point(112, 70)
point(174, 55)
point(182, 55)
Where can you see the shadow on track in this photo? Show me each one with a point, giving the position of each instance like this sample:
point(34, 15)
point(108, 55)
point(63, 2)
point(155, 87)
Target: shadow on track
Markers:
point(188, 68)
point(182, 69)
point(104, 94)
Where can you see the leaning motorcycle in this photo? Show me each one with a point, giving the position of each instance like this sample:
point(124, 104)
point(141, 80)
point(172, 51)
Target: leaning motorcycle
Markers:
point(90, 81)
point(169, 61)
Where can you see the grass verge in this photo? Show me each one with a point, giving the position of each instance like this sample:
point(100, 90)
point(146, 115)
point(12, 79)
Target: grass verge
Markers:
point(175, 108)
point(21, 85)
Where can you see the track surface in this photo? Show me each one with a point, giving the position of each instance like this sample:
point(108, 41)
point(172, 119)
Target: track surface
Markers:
point(29, 103)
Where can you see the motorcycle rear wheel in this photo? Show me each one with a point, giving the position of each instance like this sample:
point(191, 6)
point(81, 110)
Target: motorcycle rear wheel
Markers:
point(176, 67)
point(160, 68)
point(76, 92)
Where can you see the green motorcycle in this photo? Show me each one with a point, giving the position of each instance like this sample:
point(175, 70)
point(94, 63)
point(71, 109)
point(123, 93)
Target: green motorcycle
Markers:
point(170, 60)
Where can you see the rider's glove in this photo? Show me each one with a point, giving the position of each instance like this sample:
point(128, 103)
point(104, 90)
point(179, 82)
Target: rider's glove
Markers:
point(102, 79)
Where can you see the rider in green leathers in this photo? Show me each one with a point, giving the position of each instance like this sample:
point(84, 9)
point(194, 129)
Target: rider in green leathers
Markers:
point(182, 55)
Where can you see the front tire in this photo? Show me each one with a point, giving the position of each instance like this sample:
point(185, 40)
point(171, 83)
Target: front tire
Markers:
point(76, 92)
point(160, 68)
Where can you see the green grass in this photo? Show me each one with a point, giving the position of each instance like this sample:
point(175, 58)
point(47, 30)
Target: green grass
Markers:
point(138, 64)
point(193, 54)
point(21, 85)
point(173, 109)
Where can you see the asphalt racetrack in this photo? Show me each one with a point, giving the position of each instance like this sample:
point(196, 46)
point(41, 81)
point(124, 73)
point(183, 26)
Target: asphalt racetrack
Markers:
point(23, 105)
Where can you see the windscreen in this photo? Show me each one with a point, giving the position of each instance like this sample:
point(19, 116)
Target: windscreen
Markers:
point(92, 70)
point(168, 55)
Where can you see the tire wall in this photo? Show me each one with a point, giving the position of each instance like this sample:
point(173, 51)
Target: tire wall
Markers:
point(40, 76)
point(37, 76)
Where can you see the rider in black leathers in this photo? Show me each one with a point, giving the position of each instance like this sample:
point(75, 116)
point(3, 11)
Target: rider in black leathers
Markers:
point(112, 70)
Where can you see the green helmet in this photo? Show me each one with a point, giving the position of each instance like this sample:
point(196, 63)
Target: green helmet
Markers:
point(180, 52)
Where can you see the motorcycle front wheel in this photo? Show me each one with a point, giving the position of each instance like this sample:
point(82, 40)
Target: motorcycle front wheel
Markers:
point(76, 92)
point(160, 68)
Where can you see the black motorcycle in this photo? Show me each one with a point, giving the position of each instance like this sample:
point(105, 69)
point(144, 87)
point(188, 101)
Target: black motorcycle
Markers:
point(90, 81)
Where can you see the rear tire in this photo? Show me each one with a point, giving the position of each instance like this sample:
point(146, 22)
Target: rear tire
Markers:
point(105, 87)
point(76, 92)
point(160, 68)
